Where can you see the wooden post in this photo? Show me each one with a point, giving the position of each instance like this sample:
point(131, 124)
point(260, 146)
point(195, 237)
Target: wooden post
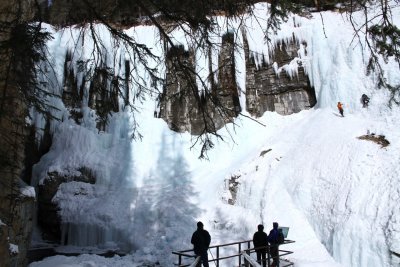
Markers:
point(180, 260)
point(217, 256)
point(248, 248)
point(246, 262)
point(240, 257)
point(317, 4)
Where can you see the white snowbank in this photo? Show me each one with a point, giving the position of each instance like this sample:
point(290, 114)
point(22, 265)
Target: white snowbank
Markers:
point(28, 191)
point(86, 261)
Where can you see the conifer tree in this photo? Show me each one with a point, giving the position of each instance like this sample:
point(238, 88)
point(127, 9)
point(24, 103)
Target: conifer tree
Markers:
point(175, 212)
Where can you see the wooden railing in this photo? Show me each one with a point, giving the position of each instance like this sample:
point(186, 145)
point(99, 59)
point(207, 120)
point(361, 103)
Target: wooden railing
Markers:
point(395, 253)
point(242, 253)
point(196, 262)
point(249, 261)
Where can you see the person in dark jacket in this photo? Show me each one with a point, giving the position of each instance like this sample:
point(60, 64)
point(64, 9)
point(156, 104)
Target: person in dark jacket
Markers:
point(273, 239)
point(260, 240)
point(364, 100)
point(201, 240)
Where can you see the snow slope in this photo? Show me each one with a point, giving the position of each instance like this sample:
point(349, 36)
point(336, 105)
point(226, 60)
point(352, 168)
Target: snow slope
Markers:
point(338, 194)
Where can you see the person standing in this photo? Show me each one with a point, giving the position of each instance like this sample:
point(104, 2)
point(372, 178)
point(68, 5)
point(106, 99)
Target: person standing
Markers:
point(201, 240)
point(273, 239)
point(340, 108)
point(260, 243)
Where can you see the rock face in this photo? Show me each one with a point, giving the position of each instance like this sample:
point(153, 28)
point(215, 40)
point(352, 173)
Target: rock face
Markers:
point(184, 108)
point(16, 207)
point(128, 13)
point(227, 89)
point(103, 96)
point(268, 88)
point(48, 218)
point(179, 106)
point(13, 251)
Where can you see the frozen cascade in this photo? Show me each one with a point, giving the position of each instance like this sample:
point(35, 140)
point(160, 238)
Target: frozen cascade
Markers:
point(92, 235)
point(95, 215)
point(88, 211)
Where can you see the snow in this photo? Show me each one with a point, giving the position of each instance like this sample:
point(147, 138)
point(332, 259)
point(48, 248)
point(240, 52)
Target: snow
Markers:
point(13, 249)
point(338, 194)
point(85, 260)
point(28, 191)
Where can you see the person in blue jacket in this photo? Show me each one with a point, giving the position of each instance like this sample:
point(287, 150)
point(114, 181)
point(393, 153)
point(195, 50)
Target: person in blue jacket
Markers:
point(201, 240)
point(273, 239)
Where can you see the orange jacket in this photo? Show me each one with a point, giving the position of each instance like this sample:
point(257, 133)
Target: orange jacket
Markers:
point(339, 106)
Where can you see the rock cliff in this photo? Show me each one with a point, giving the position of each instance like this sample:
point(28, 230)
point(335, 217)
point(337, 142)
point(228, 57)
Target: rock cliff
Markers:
point(285, 90)
point(269, 88)
point(48, 217)
point(16, 198)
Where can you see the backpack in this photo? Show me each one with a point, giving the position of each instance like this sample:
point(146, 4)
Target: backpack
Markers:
point(281, 237)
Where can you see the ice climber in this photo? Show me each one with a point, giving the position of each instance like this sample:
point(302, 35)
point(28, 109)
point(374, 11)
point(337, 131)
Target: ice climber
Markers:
point(340, 108)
